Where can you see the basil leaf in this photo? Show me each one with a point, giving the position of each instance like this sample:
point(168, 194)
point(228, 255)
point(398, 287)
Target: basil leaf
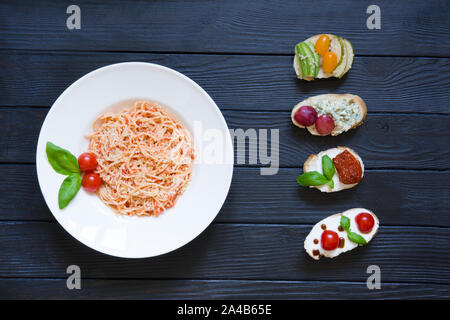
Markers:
point(327, 167)
point(345, 223)
point(69, 189)
point(356, 238)
point(331, 184)
point(311, 178)
point(61, 160)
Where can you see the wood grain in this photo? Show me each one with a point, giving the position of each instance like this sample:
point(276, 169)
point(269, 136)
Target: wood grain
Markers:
point(383, 141)
point(230, 251)
point(19, 129)
point(214, 289)
point(240, 82)
point(411, 27)
point(240, 53)
point(406, 197)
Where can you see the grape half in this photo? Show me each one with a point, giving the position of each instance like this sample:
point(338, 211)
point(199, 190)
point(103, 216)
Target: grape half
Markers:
point(306, 116)
point(324, 124)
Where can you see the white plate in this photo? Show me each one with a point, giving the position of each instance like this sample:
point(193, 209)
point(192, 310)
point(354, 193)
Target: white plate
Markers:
point(86, 217)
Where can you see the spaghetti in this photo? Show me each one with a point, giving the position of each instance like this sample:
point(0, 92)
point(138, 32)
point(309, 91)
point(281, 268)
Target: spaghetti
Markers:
point(144, 157)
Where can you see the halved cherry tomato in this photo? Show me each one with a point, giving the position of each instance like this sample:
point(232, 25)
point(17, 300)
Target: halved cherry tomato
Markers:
point(329, 61)
point(329, 240)
point(322, 44)
point(365, 222)
point(91, 182)
point(87, 162)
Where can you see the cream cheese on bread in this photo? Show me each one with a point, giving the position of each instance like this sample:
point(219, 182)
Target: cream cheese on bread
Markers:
point(314, 163)
point(314, 248)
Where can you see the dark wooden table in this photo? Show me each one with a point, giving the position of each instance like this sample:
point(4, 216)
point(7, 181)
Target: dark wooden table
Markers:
point(240, 52)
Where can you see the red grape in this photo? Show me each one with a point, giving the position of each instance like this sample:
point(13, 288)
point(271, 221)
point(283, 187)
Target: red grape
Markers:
point(306, 116)
point(324, 124)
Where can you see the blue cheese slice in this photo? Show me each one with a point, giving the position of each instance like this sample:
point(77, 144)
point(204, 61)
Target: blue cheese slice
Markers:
point(347, 110)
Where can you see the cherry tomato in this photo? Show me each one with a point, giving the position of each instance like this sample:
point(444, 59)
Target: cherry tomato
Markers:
point(306, 116)
point(324, 124)
point(329, 61)
point(365, 222)
point(91, 181)
point(322, 44)
point(329, 240)
point(87, 162)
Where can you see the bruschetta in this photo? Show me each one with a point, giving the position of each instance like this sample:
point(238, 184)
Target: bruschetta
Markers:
point(332, 170)
point(341, 232)
point(323, 56)
point(329, 113)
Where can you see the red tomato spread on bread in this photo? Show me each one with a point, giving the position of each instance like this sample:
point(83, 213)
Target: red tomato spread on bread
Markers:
point(348, 167)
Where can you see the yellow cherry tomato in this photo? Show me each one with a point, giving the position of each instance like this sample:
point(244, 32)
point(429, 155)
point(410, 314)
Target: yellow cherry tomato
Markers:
point(322, 44)
point(329, 61)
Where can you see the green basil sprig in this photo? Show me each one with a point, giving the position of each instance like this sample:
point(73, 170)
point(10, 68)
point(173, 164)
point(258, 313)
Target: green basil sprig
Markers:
point(354, 237)
point(311, 178)
point(314, 178)
point(63, 162)
point(345, 223)
point(69, 188)
point(328, 167)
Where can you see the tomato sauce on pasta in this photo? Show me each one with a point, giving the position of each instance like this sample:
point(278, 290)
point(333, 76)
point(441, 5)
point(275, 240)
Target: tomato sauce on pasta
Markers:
point(145, 159)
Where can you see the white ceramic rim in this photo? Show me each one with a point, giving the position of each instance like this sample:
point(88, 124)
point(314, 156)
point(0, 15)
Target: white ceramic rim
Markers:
point(229, 159)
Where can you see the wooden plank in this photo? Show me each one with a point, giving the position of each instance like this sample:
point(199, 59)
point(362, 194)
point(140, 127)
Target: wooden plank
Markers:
point(412, 27)
point(214, 289)
point(397, 197)
point(229, 251)
point(406, 197)
point(404, 141)
point(407, 141)
point(240, 82)
point(19, 129)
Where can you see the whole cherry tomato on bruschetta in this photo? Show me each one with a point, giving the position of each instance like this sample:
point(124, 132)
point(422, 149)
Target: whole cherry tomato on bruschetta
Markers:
point(329, 62)
point(365, 222)
point(322, 44)
point(329, 240)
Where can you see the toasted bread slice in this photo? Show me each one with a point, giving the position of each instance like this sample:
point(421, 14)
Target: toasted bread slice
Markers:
point(347, 110)
point(312, 242)
point(343, 50)
point(314, 163)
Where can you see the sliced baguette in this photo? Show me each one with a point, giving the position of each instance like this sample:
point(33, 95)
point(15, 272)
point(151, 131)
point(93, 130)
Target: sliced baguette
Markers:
point(314, 248)
point(314, 163)
point(354, 103)
point(340, 48)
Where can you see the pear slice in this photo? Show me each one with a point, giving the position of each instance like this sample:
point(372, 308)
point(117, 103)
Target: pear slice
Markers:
point(340, 69)
point(337, 48)
point(350, 54)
